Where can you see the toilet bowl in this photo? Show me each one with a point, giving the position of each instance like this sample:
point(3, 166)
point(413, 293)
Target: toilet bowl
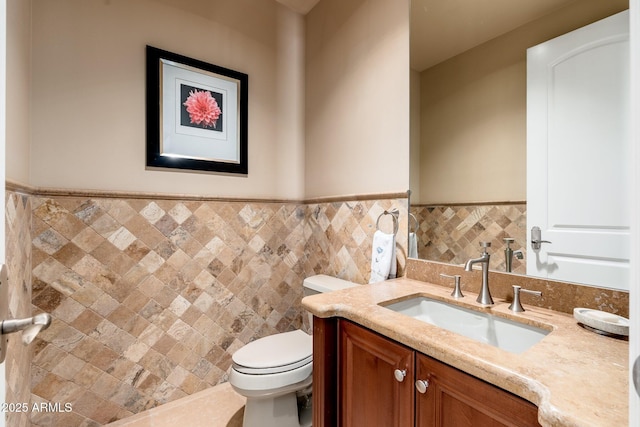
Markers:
point(274, 373)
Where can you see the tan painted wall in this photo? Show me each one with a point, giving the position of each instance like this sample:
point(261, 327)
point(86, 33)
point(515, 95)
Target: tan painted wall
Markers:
point(414, 141)
point(87, 86)
point(357, 97)
point(88, 105)
point(18, 76)
point(473, 113)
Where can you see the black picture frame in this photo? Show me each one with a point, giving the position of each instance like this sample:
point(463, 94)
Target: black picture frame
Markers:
point(196, 114)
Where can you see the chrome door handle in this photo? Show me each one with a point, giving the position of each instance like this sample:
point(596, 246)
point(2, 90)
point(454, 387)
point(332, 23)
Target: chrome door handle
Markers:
point(536, 238)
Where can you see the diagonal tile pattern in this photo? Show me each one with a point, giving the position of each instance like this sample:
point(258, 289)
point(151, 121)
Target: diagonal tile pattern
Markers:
point(339, 236)
point(452, 234)
point(150, 297)
point(18, 261)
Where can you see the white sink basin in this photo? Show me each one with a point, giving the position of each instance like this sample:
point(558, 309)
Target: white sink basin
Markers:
point(506, 334)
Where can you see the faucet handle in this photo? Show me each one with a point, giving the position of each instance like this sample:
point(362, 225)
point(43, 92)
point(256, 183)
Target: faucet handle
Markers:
point(457, 292)
point(516, 306)
point(485, 246)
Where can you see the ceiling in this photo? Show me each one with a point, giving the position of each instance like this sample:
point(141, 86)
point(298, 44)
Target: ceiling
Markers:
point(441, 29)
point(300, 6)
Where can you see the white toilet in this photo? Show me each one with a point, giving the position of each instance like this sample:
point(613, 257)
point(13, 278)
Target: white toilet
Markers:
point(274, 373)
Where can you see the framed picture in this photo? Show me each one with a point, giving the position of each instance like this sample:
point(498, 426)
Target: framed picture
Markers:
point(196, 114)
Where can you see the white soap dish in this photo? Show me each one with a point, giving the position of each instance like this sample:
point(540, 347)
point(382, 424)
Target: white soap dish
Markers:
point(602, 322)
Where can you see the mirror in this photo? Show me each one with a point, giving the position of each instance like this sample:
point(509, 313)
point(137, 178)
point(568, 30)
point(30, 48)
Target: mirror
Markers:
point(468, 119)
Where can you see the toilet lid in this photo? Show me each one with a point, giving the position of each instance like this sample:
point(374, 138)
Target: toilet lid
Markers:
point(275, 353)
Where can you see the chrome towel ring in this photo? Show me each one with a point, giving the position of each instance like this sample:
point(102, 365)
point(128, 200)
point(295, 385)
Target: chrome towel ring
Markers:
point(394, 215)
point(415, 229)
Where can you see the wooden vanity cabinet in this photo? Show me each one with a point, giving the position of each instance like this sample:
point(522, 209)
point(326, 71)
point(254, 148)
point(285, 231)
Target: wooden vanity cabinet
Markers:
point(362, 378)
point(456, 399)
point(370, 395)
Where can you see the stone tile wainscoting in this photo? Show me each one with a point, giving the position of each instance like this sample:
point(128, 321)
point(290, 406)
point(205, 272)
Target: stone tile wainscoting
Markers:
point(556, 295)
point(151, 296)
point(18, 259)
point(452, 233)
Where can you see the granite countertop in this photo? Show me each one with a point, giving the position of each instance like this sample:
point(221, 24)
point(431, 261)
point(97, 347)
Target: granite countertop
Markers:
point(574, 376)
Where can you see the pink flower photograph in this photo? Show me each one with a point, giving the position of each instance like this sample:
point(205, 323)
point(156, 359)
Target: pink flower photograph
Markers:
point(196, 114)
point(201, 108)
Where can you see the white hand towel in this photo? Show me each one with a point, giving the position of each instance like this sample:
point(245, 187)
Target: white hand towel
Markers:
point(394, 265)
point(383, 256)
point(413, 245)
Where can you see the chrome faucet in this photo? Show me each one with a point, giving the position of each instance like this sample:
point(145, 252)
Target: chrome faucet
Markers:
point(516, 305)
point(510, 253)
point(484, 297)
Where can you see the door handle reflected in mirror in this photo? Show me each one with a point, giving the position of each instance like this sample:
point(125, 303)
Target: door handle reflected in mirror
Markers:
point(536, 238)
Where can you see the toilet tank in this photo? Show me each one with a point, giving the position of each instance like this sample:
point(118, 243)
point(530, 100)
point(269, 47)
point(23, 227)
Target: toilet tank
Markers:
point(321, 283)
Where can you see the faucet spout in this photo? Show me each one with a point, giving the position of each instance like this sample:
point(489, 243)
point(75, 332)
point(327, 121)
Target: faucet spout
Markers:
point(484, 297)
point(484, 259)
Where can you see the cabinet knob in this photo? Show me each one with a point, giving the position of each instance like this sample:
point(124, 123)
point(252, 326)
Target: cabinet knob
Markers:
point(400, 374)
point(422, 386)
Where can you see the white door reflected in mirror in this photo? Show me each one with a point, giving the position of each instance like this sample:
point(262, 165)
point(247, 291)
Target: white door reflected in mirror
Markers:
point(578, 151)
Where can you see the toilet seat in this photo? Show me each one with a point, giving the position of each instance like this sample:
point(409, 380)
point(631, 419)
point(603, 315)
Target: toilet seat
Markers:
point(272, 363)
point(272, 373)
point(274, 354)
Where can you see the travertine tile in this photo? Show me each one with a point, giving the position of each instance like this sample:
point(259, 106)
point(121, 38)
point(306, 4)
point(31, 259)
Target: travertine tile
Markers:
point(558, 296)
point(86, 376)
point(68, 367)
point(452, 234)
point(140, 288)
point(86, 321)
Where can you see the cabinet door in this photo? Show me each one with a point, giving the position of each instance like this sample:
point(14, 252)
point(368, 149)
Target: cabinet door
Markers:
point(456, 399)
point(369, 393)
